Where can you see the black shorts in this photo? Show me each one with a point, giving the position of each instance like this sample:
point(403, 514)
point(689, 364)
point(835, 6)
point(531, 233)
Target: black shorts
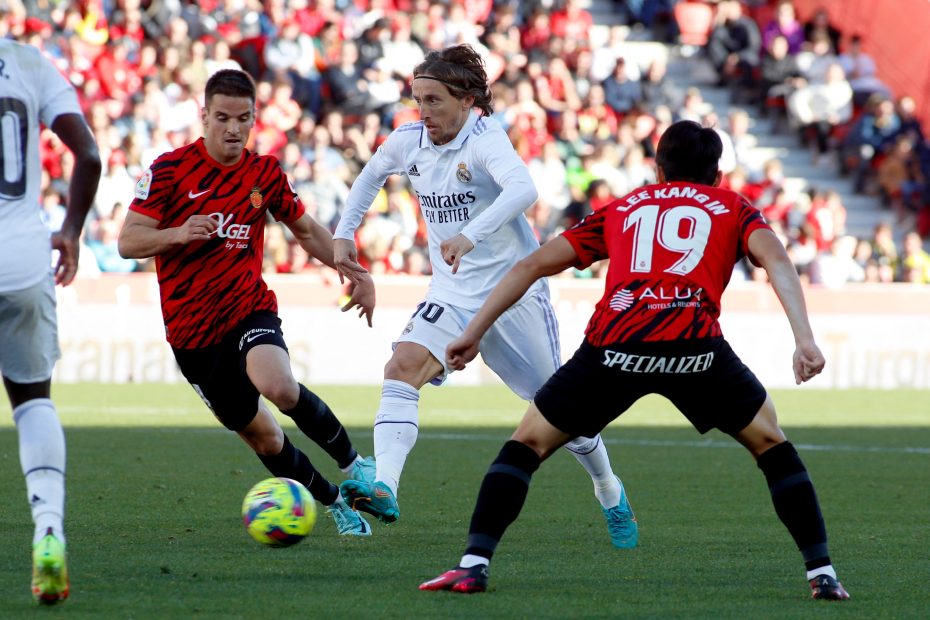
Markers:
point(704, 379)
point(217, 373)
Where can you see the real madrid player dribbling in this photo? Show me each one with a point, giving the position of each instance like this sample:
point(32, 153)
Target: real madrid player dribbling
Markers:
point(473, 189)
point(200, 210)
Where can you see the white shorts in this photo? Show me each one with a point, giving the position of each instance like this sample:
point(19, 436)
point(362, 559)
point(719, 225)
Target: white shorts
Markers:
point(29, 333)
point(522, 347)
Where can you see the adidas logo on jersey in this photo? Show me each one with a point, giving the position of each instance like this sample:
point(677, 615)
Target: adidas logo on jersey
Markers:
point(413, 172)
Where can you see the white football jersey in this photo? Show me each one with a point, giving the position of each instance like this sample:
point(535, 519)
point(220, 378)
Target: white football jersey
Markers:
point(475, 185)
point(32, 91)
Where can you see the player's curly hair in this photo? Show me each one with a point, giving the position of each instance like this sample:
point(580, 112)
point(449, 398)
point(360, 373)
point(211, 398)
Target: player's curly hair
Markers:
point(229, 82)
point(689, 152)
point(461, 70)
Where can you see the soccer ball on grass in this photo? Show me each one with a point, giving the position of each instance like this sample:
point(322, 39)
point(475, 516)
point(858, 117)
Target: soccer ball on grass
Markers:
point(278, 512)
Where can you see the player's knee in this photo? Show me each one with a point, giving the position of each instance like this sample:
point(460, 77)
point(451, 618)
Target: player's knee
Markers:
point(284, 394)
point(265, 441)
point(408, 370)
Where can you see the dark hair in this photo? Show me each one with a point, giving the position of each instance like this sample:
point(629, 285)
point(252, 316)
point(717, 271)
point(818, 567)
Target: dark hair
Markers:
point(229, 82)
point(689, 152)
point(461, 70)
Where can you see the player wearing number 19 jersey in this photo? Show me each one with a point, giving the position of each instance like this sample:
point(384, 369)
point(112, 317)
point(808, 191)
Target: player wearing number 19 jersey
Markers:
point(672, 247)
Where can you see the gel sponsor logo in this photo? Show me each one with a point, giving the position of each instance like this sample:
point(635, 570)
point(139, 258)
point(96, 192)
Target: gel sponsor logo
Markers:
point(658, 363)
point(236, 234)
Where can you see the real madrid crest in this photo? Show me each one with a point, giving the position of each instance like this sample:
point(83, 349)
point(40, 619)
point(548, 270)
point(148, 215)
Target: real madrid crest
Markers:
point(462, 174)
point(256, 197)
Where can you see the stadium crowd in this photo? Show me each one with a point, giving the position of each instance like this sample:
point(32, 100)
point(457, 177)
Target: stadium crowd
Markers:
point(334, 78)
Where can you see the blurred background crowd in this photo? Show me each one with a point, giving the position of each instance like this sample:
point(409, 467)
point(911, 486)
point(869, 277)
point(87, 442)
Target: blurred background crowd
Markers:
point(333, 80)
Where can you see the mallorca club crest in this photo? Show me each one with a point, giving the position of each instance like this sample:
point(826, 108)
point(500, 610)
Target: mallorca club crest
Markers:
point(462, 174)
point(256, 197)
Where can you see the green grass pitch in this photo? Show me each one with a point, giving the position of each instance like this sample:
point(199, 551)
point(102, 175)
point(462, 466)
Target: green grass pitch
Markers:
point(155, 486)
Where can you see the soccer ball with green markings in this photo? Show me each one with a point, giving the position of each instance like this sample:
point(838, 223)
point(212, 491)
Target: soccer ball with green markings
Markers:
point(278, 512)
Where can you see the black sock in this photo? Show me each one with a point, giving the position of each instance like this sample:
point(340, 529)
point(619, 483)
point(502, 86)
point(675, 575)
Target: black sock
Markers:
point(319, 423)
point(294, 464)
point(503, 492)
point(796, 502)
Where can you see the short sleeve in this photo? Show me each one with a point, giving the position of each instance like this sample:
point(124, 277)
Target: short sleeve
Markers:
point(288, 207)
point(587, 238)
point(152, 191)
point(57, 95)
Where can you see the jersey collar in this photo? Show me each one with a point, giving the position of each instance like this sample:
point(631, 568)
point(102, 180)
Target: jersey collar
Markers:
point(458, 141)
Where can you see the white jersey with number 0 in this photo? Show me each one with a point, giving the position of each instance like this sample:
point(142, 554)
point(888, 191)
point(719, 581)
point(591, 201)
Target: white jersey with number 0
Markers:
point(31, 91)
point(475, 185)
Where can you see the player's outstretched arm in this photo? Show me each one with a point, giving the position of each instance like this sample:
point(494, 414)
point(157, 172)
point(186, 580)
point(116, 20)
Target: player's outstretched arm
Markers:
point(140, 236)
point(769, 252)
point(318, 243)
point(76, 135)
point(555, 256)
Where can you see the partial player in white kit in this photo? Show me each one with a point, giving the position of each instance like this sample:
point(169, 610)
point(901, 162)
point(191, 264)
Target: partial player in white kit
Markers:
point(473, 189)
point(32, 92)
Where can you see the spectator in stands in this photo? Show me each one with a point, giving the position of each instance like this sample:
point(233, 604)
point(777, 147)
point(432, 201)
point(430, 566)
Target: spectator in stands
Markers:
point(861, 72)
point(838, 266)
point(347, 85)
point(915, 261)
point(870, 136)
point(819, 25)
point(816, 62)
point(819, 108)
point(114, 186)
point(784, 24)
point(826, 218)
point(620, 92)
point(657, 89)
point(781, 76)
point(292, 55)
point(735, 45)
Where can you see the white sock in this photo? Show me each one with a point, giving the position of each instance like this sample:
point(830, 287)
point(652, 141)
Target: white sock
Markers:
point(468, 561)
point(42, 457)
point(395, 430)
point(823, 570)
point(592, 454)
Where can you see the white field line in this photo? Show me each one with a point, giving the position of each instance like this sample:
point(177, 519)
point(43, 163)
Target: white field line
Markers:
point(703, 443)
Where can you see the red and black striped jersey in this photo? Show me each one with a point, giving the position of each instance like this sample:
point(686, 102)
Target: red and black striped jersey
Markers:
point(208, 287)
point(672, 248)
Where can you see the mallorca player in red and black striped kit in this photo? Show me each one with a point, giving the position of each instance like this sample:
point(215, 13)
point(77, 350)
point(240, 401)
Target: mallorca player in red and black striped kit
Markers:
point(200, 211)
point(672, 247)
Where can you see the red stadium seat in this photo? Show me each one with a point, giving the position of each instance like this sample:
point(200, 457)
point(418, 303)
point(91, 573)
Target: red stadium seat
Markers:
point(695, 20)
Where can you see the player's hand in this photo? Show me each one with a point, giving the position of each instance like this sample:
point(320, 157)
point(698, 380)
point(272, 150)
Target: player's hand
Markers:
point(345, 257)
point(363, 296)
point(197, 228)
point(69, 250)
point(808, 362)
point(461, 351)
point(454, 249)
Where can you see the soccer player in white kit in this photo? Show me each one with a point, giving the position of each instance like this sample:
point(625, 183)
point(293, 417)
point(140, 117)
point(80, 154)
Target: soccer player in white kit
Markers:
point(473, 189)
point(33, 92)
